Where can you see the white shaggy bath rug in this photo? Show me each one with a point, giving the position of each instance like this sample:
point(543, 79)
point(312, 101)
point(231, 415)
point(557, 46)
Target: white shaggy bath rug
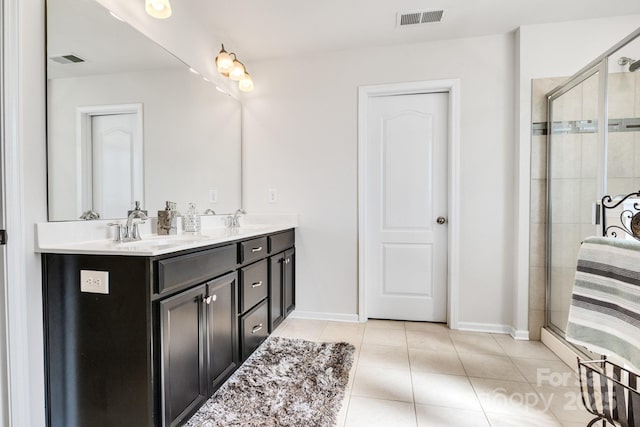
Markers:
point(286, 382)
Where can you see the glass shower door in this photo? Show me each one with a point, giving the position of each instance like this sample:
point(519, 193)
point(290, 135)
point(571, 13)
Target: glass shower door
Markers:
point(623, 114)
point(573, 177)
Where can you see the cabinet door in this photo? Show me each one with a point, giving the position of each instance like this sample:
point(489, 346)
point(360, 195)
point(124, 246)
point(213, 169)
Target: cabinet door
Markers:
point(276, 302)
point(288, 281)
point(182, 329)
point(222, 329)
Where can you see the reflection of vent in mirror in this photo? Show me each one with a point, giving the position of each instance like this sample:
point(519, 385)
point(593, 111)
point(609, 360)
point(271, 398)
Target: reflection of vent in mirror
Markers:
point(411, 18)
point(66, 59)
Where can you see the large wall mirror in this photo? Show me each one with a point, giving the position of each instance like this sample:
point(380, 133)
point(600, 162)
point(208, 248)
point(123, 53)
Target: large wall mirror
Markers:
point(128, 121)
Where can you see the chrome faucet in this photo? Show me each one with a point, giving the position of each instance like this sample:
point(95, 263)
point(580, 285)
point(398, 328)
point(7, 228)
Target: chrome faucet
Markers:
point(131, 230)
point(90, 215)
point(235, 222)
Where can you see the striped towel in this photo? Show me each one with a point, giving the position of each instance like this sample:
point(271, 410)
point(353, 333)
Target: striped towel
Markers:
point(604, 315)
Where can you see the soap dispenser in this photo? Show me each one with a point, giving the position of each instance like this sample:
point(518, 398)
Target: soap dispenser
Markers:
point(167, 220)
point(191, 221)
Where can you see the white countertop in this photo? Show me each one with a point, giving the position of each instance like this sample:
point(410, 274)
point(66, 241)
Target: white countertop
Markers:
point(94, 237)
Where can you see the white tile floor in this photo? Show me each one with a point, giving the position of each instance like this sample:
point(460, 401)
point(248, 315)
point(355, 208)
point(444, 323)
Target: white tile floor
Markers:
point(424, 374)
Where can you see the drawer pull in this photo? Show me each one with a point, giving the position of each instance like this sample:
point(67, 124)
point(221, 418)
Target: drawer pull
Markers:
point(256, 328)
point(258, 249)
point(257, 284)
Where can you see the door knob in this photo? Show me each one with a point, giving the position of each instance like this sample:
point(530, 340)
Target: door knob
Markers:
point(441, 220)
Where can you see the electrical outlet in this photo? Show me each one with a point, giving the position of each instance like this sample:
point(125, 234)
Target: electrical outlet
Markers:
point(96, 282)
point(213, 196)
point(272, 195)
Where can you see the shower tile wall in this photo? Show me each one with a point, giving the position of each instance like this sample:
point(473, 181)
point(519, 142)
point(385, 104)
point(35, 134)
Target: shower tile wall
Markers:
point(623, 163)
point(575, 174)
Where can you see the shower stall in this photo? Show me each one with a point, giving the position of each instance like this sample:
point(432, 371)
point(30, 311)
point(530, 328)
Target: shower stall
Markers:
point(593, 150)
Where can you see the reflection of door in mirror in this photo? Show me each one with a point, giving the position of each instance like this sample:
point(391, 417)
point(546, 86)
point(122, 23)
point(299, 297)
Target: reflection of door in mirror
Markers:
point(111, 158)
point(116, 180)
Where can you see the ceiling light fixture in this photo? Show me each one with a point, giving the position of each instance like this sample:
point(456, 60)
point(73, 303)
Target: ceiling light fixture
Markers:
point(160, 9)
point(229, 66)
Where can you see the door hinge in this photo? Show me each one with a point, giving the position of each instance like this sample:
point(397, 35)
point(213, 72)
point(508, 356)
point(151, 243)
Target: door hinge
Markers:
point(3, 237)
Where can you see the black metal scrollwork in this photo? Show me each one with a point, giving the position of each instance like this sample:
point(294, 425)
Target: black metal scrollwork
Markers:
point(629, 215)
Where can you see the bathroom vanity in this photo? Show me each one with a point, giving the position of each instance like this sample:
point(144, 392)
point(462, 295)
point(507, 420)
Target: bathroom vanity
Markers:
point(169, 326)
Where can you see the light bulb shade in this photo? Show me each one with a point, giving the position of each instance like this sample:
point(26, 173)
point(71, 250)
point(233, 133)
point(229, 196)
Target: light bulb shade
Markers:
point(246, 83)
point(160, 9)
point(237, 72)
point(224, 62)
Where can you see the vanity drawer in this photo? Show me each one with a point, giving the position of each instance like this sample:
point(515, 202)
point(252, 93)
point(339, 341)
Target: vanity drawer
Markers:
point(182, 271)
point(281, 241)
point(252, 250)
point(253, 284)
point(254, 328)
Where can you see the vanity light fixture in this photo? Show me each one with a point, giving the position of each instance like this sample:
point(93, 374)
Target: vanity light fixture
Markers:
point(229, 66)
point(160, 9)
point(246, 84)
point(237, 72)
point(224, 62)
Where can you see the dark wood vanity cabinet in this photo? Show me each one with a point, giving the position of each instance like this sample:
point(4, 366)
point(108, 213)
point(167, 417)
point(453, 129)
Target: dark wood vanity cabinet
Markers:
point(170, 331)
point(183, 346)
point(99, 368)
point(199, 345)
point(221, 303)
point(254, 290)
point(281, 278)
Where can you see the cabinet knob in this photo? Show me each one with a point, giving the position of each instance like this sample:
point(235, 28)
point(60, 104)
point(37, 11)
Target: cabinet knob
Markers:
point(441, 220)
point(256, 284)
point(287, 261)
point(214, 297)
point(258, 249)
point(256, 328)
point(208, 299)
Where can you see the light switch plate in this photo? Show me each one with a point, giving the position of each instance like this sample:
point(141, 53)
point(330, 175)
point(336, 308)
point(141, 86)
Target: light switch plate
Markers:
point(213, 196)
point(272, 195)
point(96, 282)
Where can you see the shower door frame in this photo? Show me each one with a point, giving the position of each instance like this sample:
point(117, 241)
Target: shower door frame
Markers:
point(598, 65)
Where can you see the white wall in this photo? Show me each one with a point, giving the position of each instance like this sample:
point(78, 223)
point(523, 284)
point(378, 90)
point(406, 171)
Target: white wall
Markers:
point(300, 136)
point(549, 50)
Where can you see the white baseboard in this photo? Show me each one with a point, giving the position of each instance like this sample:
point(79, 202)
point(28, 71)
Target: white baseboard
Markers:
point(520, 335)
point(484, 327)
point(336, 317)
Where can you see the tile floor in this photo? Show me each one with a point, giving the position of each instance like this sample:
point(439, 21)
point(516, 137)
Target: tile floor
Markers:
point(424, 374)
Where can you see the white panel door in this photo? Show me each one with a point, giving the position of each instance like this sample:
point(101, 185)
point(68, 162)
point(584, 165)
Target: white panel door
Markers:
point(405, 193)
point(116, 157)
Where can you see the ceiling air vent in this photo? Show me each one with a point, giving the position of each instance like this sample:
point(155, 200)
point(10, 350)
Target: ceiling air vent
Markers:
point(66, 59)
point(420, 17)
